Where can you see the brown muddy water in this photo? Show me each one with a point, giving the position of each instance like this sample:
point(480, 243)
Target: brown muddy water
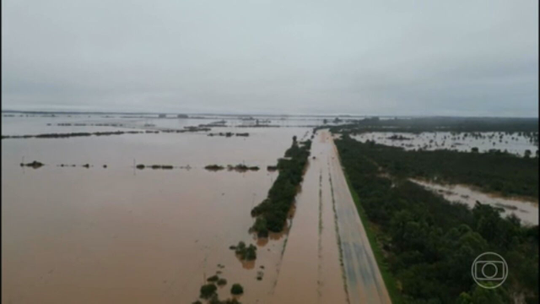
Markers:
point(310, 271)
point(526, 211)
point(328, 257)
point(121, 235)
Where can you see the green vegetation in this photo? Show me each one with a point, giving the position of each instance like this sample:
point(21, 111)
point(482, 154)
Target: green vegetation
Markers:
point(215, 300)
point(428, 244)
point(271, 214)
point(238, 168)
point(229, 134)
point(245, 253)
point(242, 168)
point(213, 279)
point(237, 289)
point(35, 164)
point(155, 167)
point(376, 246)
point(214, 167)
point(65, 135)
point(428, 124)
point(207, 291)
point(492, 172)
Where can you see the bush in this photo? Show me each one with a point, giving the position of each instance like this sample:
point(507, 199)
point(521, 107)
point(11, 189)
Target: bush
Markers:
point(222, 282)
point(237, 289)
point(213, 278)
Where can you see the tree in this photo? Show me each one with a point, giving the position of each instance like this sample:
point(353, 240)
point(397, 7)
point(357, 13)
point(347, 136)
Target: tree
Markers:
point(207, 291)
point(483, 296)
point(237, 289)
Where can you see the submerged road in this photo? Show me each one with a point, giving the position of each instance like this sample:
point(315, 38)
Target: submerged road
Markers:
point(328, 258)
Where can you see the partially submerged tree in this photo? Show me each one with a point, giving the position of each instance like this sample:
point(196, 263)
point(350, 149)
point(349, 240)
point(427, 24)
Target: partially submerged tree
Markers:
point(207, 291)
point(237, 289)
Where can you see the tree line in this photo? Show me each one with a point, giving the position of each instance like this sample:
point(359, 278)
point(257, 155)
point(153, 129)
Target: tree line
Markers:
point(428, 243)
point(271, 214)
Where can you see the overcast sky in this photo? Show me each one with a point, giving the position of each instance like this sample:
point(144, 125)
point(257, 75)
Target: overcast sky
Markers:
point(272, 56)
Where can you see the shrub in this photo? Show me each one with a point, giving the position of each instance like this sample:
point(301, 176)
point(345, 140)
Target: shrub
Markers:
point(213, 278)
point(222, 282)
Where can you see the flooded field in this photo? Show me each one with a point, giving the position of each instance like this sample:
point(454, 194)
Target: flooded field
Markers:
point(93, 226)
point(515, 143)
point(149, 217)
point(24, 124)
point(526, 211)
point(122, 235)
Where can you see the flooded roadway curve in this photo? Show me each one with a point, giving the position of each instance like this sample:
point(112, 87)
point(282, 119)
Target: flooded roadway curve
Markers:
point(310, 271)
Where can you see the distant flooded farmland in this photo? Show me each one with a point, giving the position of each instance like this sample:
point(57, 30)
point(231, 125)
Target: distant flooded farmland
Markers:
point(513, 142)
point(163, 207)
point(108, 232)
point(526, 211)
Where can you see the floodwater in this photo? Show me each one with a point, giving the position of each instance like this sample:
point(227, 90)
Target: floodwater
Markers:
point(121, 235)
point(513, 143)
point(117, 234)
point(34, 124)
point(526, 211)
point(310, 271)
point(41, 125)
point(314, 269)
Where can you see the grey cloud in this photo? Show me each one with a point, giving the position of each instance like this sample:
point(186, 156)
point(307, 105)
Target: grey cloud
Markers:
point(397, 57)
